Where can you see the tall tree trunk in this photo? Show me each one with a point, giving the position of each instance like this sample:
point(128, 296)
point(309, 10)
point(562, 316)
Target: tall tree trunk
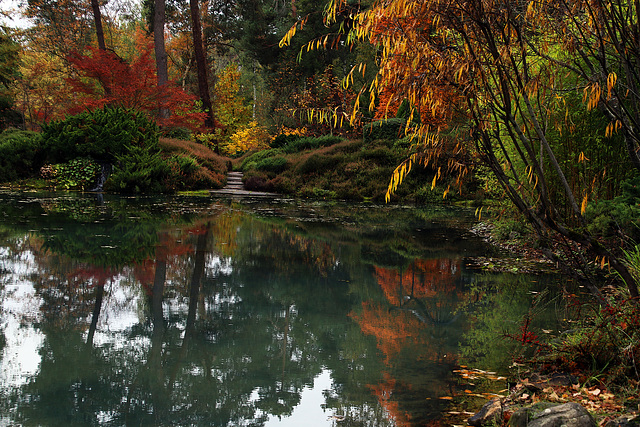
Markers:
point(201, 61)
point(96, 314)
point(97, 16)
point(162, 71)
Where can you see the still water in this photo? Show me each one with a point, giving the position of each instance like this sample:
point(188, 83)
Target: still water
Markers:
point(216, 312)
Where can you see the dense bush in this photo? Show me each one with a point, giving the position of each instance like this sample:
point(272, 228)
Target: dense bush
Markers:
point(277, 164)
point(21, 154)
point(141, 170)
point(284, 139)
point(252, 160)
point(316, 164)
point(620, 215)
point(390, 129)
point(103, 135)
point(188, 174)
point(310, 143)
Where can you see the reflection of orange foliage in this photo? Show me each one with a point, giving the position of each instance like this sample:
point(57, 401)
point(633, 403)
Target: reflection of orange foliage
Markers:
point(423, 278)
point(383, 392)
point(98, 276)
point(225, 232)
point(393, 329)
point(169, 247)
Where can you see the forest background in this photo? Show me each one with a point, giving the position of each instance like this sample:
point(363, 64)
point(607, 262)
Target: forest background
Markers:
point(529, 109)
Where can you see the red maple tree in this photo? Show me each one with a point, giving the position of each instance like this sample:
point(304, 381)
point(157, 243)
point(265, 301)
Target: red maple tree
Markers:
point(104, 78)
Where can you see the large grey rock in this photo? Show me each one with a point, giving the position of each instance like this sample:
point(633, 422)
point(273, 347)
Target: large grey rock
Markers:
point(544, 415)
point(490, 413)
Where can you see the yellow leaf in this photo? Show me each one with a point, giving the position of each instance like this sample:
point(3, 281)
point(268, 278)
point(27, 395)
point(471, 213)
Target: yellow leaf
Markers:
point(583, 208)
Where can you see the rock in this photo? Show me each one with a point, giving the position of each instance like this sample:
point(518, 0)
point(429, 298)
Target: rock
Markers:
point(490, 413)
point(545, 414)
point(623, 422)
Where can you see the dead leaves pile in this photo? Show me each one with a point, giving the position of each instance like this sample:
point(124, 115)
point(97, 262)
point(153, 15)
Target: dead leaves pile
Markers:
point(598, 400)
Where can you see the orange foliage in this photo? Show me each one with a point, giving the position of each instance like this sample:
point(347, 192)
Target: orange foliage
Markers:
point(383, 392)
point(393, 329)
point(423, 279)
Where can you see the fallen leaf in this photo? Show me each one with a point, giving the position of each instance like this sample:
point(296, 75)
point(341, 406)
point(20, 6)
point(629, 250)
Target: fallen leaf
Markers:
point(595, 392)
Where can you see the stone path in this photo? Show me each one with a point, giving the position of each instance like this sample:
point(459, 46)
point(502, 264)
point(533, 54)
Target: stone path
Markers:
point(235, 187)
point(234, 182)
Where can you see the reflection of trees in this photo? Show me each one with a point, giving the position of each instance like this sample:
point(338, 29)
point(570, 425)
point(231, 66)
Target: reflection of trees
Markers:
point(237, 316)
point(416, 321)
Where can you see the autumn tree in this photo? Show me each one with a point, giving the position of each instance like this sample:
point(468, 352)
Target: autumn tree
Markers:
point(230, 107)
point(132, 85)
point(59, 26)
point(492, 79)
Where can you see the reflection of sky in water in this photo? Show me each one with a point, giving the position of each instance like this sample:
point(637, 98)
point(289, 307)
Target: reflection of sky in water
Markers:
point(309, 412)
point(20, 307)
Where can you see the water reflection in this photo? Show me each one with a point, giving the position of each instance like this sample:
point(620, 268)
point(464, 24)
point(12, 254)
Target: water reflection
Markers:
point(198, 312)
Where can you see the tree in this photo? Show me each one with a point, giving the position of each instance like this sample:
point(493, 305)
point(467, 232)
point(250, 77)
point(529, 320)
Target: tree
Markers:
point(486, 78)
point(9, 53)
point(201, 62)
point(97, 18)
point(230, 108)
point(601, 44)
point(60, 26)
point(132, 85)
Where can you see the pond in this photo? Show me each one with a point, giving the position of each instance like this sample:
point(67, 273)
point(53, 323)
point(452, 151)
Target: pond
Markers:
point(251, 312)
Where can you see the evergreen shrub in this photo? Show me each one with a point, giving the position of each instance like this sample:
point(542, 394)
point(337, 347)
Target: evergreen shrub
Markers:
point(317, 164)
point(389, 129)
point(103, 135)
point(310, 143)
point(252, 160)
point(20, 154)
point(277, 164)
point(141, 170)
point(284, 139)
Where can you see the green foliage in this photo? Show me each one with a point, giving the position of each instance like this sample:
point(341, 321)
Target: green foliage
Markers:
point(508, 227)
point(140, 170)
point(252, 160)
point(390, 129)
point(20, 154)
point(188, 174)
point(9, 116)
point(316, 164)
point(277, 164)
point(404, 111)
point(80, 173)
point(177, 133)
point(186, 164)
point(606, 341)
point(380, 155)
point(619, 215)
point(310, 143)
point(103, 135)
point(284, 139)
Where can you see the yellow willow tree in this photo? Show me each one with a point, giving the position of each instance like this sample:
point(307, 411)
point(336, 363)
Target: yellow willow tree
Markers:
point(489, 80)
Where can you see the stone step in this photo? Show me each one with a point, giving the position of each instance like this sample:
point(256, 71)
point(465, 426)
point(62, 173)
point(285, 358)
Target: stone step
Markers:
point(234, 181)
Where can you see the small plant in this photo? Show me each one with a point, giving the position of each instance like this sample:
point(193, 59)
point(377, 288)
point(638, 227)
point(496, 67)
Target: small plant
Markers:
point(77, 174)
